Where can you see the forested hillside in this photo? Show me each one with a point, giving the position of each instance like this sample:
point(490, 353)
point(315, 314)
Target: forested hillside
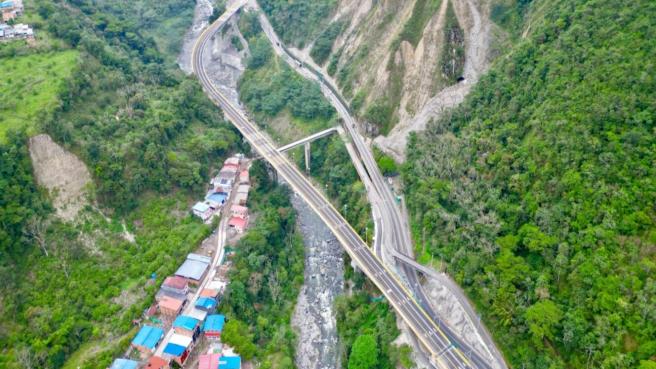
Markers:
point(539, 190)
point(148, 136)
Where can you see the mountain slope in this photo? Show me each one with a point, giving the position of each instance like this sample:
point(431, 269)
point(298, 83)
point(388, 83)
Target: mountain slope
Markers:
point(539, 190)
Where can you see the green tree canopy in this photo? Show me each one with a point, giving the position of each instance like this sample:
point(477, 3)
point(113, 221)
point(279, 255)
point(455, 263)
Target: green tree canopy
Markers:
point(364, 354)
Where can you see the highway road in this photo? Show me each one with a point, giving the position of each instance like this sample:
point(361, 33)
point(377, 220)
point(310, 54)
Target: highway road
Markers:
point(443, 353)
point(391, 228)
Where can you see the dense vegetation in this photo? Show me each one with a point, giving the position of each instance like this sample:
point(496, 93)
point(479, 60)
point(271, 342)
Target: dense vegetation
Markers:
point(366, 326)
point(148, 136)
point(323, 45)
point(275, 92)
point(298, 22)
point(270, 86)
point(266, 278)
point(539, 190)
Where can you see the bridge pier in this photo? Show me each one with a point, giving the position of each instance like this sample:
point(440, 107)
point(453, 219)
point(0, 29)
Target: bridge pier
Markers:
point(307, 156)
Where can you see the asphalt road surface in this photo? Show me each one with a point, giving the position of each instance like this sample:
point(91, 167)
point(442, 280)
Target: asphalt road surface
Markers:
point(444, 354)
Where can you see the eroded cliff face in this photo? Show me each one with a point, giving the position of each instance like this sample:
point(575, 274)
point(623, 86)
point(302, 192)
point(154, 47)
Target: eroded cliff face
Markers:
point(400, 63)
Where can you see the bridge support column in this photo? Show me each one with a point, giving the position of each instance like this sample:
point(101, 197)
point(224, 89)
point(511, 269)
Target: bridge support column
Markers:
point(307, 157)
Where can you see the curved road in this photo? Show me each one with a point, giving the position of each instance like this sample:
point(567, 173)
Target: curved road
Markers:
point(443, 353)
point(391, 231)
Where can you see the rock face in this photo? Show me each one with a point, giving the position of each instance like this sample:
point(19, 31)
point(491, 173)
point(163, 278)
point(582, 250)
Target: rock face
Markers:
point(62, 173)
point(314, 318)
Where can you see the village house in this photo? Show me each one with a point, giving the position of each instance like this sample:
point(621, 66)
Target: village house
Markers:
point(156, 362)
point(147, 339)
point(214, 326)
point(194, 268)
point(198, 314)
point(230, 362)
point(124, 364)
point(244, 178)
point(170, 307)
point(239, 211)
point(202, 210)
point(206, 303)
point(186, 326)
point(176, 284)
point(239, 224)
point(178, 348)
point(208, 361)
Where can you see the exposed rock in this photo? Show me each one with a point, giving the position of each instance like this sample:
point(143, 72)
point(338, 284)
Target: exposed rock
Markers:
point(314, 317)
point(64, 175)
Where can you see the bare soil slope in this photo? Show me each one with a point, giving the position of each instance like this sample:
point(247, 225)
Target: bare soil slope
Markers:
point(62, 173)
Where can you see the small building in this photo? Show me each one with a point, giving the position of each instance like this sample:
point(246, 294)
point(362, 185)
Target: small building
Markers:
point(176, 284)
point(239, 211)
point(198, 314)
point(241, 199)
point(244, 177)
point(124, 364)
point(244, 188)
point(194, 268)
point(170, 306)
point(238, 224)
point(156, 362)
point(186, 326)
point(202, 210)
point(147, 339)
point(177, 348)
point(232, 161)
point(214, 326)
point(209, 361)
point(206, 303)
point(217, 197)
point(210, 293)
point(230, 362)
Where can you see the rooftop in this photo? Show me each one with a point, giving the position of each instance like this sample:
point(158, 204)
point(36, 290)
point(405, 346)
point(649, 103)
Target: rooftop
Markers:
point(214, 323)
point(173, 349)
point(124, 364)
point(231, 161)
point(210, 361)
point(238, 209)
point(175, 282)
point(170, 303)
point(180, 340)
point(230, 362)
point(219, 197)
point(201, 207)
point(199, 257)
point(156, 362)
point(192, 269)
point(237, 222)
point(185, 322)
point(148, 337)
point(198, 314)
point(206, 303)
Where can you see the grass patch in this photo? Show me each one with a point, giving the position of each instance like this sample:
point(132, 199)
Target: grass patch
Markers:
point(30, 85)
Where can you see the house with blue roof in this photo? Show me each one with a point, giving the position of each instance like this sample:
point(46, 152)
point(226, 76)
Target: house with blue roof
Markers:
point(124, 364)
point(147, 339)
point(230, 362)
point(214, 325)
point(186, 326)
point(206, 303)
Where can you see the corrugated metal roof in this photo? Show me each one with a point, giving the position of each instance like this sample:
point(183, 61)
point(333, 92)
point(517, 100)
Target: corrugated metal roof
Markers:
point(124, 364)
point(192, 269)
point(198, 257)
point(174, 349)
point(185, 322)
point(181, 340)
point(206, 303)
point(148, 337)
point(214, 323)
point(230, 362)
point(201, 207)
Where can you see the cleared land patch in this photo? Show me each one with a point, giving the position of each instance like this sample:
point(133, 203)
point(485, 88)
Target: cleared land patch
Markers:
point(30, 85)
